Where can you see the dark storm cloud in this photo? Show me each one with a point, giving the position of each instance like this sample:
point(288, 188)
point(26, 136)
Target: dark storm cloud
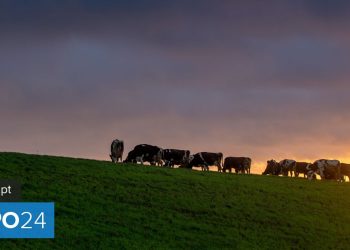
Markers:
point(231, 76)
point(328, 9)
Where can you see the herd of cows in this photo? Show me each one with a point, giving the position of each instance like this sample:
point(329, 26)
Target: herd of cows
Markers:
point(326, 169)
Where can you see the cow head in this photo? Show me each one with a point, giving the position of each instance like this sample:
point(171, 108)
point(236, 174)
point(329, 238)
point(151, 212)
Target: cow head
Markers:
point(272, 168)
point(311, 175)
point(188, 163)
point(127, 160)
point(114, 159)
point(311, 171)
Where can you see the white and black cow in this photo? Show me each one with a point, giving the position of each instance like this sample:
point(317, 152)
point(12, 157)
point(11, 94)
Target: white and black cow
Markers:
point(172, 157)
point(327, 169)
point(301, 168)
point(272, 168)
point(345, 170)
point(240, 164)
point(286, 166)
point(204, 160)
point(149, 153)
point(117, 150)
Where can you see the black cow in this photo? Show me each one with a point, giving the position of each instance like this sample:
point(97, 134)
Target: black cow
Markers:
point(301, 168)
point(117, 150)
point(148, 153)
point(204, 160)
point(240, 164)
point(172, 157)
point(134, 157)
point(272, 168)
point(345, 170)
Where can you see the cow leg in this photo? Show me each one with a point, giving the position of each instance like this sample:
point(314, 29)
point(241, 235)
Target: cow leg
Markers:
point(322, 174)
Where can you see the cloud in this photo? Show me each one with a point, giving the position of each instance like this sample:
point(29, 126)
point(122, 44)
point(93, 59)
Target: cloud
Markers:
point(256, 79)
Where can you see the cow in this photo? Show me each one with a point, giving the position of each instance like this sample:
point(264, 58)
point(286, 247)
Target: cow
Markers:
point(240, 164)
point(272, 168)
point(134, 157)
point(117, 150)
point(172, 157)
point(286, 166)
point(327, 169)
point(301, 168)
point(204, 160)
point(149, 153)
point(345, 170)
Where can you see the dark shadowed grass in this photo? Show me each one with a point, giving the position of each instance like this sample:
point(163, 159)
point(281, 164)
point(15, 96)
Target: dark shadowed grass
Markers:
point(100, 205)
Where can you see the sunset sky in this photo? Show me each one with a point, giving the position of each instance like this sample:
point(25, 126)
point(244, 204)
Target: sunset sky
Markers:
point(265, 79)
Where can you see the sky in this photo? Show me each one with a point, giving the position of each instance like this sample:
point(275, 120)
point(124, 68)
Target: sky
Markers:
point(264, 79)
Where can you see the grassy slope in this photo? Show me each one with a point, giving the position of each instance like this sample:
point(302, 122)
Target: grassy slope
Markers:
point(101, 205)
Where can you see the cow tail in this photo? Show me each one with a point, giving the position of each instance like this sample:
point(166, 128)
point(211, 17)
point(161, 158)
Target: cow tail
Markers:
point(222, 162)
point(250, 165)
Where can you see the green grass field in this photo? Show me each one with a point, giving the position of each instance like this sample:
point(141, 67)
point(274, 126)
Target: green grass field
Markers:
point(100, 205)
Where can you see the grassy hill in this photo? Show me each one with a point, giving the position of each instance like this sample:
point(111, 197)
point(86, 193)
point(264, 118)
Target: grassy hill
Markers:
point(100, 205)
